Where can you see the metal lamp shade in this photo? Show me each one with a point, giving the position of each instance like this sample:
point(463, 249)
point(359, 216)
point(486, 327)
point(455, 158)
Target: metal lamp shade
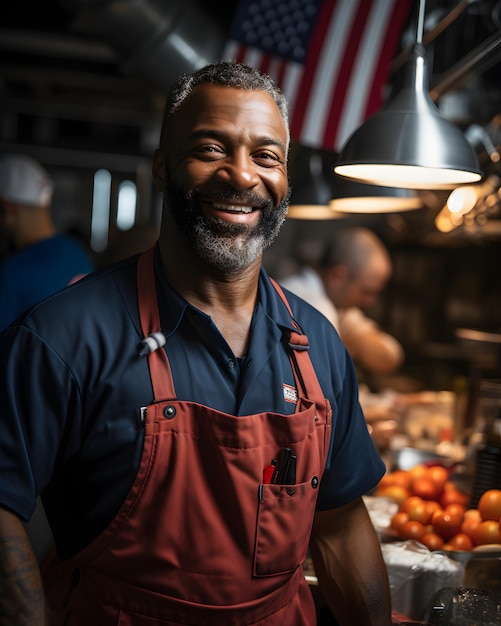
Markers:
point(409, 144)
point(310, 197)
point(351, 196)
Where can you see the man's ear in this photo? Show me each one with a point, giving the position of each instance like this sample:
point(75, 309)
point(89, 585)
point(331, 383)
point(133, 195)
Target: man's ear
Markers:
point(158, 170)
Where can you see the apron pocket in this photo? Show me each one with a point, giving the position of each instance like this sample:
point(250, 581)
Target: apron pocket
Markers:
point(285, 517)
point(133, 619)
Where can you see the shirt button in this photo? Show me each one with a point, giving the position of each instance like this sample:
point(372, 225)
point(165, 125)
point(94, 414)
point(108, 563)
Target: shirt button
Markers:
point(314, 482)
point(230, 363)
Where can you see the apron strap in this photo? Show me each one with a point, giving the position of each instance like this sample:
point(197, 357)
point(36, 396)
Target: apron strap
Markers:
point(158, 363)
point(302, 367)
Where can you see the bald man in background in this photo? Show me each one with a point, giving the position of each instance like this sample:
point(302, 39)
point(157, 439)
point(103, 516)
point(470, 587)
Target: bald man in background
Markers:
point(352, 270)
point(43, 261)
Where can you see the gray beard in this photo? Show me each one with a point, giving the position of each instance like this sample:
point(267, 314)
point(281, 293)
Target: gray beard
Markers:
point(229, 248)
point(231, 252)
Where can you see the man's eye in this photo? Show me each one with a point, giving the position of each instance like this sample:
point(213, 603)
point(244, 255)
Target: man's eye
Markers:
point(267, 158)
point(209, 150)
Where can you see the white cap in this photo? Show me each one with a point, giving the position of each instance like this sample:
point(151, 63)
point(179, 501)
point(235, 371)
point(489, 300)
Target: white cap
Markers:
point(24, 181)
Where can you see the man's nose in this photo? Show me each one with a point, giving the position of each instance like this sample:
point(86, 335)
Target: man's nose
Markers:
point(239, 171)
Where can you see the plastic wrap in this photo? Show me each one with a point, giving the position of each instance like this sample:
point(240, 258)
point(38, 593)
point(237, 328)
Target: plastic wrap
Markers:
point(416, 574)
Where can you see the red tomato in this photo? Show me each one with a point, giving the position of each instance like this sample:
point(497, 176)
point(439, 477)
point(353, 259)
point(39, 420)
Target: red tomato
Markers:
point(425, 488)
point(452, 495)
point(410, 503)
point(432, 506)
point(398, 519)
point(417, 509)
point(419, 512)
point(470, 521)
point(456, 509)
point(445, 524)
point(432, 541)
point(487, 532)
point(439, 475)
point(411, 530)
point(489, 505)
point(400, 477)
point(461, 541)
point(418, 471)
point(394, 492)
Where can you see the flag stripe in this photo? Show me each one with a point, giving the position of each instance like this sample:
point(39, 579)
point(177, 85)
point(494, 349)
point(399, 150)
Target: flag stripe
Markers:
point(401, 10)
point(337, 98)
point(306, 92)
point(338, 82)
point(365, 67)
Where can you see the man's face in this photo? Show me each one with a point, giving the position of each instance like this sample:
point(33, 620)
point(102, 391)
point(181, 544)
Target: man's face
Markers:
point(224, 174)
point(361, 289)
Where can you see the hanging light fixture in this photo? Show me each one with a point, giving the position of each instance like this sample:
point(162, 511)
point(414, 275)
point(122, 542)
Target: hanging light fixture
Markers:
point(310, 197)
point(351, 196)
point(409, 144)
point(467, 200)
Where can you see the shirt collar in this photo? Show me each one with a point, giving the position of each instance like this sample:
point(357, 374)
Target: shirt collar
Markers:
point(272, 303)
point(268, 299)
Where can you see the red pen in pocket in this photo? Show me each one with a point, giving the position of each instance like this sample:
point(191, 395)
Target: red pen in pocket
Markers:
point(268, 472)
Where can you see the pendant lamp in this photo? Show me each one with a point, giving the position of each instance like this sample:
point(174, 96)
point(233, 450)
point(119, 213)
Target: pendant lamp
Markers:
point(310, 197)
point(351, 196)
point(408, 144)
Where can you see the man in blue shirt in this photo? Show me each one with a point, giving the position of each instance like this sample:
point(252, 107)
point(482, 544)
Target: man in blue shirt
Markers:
point(43, 261)
point(148, 402)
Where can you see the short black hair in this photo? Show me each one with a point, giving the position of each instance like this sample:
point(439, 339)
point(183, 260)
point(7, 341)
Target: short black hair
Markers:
point(228, 74)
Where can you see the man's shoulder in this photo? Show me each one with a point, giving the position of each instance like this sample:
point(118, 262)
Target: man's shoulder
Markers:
point(96, 298)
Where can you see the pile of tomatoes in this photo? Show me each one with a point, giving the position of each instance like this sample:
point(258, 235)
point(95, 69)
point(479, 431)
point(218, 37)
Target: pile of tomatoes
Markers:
point(434, 512)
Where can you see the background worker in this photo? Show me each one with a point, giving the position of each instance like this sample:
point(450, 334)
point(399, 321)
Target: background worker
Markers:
point(42, 261)
point(154, 403)
point(353, 269)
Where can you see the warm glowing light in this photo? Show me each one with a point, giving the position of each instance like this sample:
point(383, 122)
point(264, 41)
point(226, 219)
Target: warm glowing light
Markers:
point(375, 204)
point(408, 176)
point(311, 212)
point(443, 221)
point(462, 200)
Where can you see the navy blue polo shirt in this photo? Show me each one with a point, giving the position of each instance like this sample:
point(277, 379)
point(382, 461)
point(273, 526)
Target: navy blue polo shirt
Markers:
point(72, 384)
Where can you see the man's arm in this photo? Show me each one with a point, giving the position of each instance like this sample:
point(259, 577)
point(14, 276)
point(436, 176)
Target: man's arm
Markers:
point(349, 566)
point(368, 345)
point(21, 592)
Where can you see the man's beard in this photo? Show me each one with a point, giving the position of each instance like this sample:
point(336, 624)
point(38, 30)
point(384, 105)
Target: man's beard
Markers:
point(228, 247)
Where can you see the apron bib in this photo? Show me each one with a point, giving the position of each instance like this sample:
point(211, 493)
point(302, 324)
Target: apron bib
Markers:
point(200, 540)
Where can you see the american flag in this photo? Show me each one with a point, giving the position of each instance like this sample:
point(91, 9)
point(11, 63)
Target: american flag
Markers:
point(331, 59)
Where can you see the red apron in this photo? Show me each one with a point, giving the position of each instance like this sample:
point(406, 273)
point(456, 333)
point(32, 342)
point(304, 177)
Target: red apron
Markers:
point(200, 540)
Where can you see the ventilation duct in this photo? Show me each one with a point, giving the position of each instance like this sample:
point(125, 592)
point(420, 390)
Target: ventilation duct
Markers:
point(154, 39)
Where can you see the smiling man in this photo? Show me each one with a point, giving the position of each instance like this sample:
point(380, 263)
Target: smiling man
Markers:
point(191, 429)
point(232, 153)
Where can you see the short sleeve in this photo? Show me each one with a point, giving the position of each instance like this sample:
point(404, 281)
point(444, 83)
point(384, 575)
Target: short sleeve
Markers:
point(354, 466)
point(36, 395)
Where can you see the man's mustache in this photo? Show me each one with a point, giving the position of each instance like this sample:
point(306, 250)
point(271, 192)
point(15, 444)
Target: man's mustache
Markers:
point(228, 194)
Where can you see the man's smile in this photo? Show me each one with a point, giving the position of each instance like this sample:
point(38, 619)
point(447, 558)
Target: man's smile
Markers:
point(233, 208)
